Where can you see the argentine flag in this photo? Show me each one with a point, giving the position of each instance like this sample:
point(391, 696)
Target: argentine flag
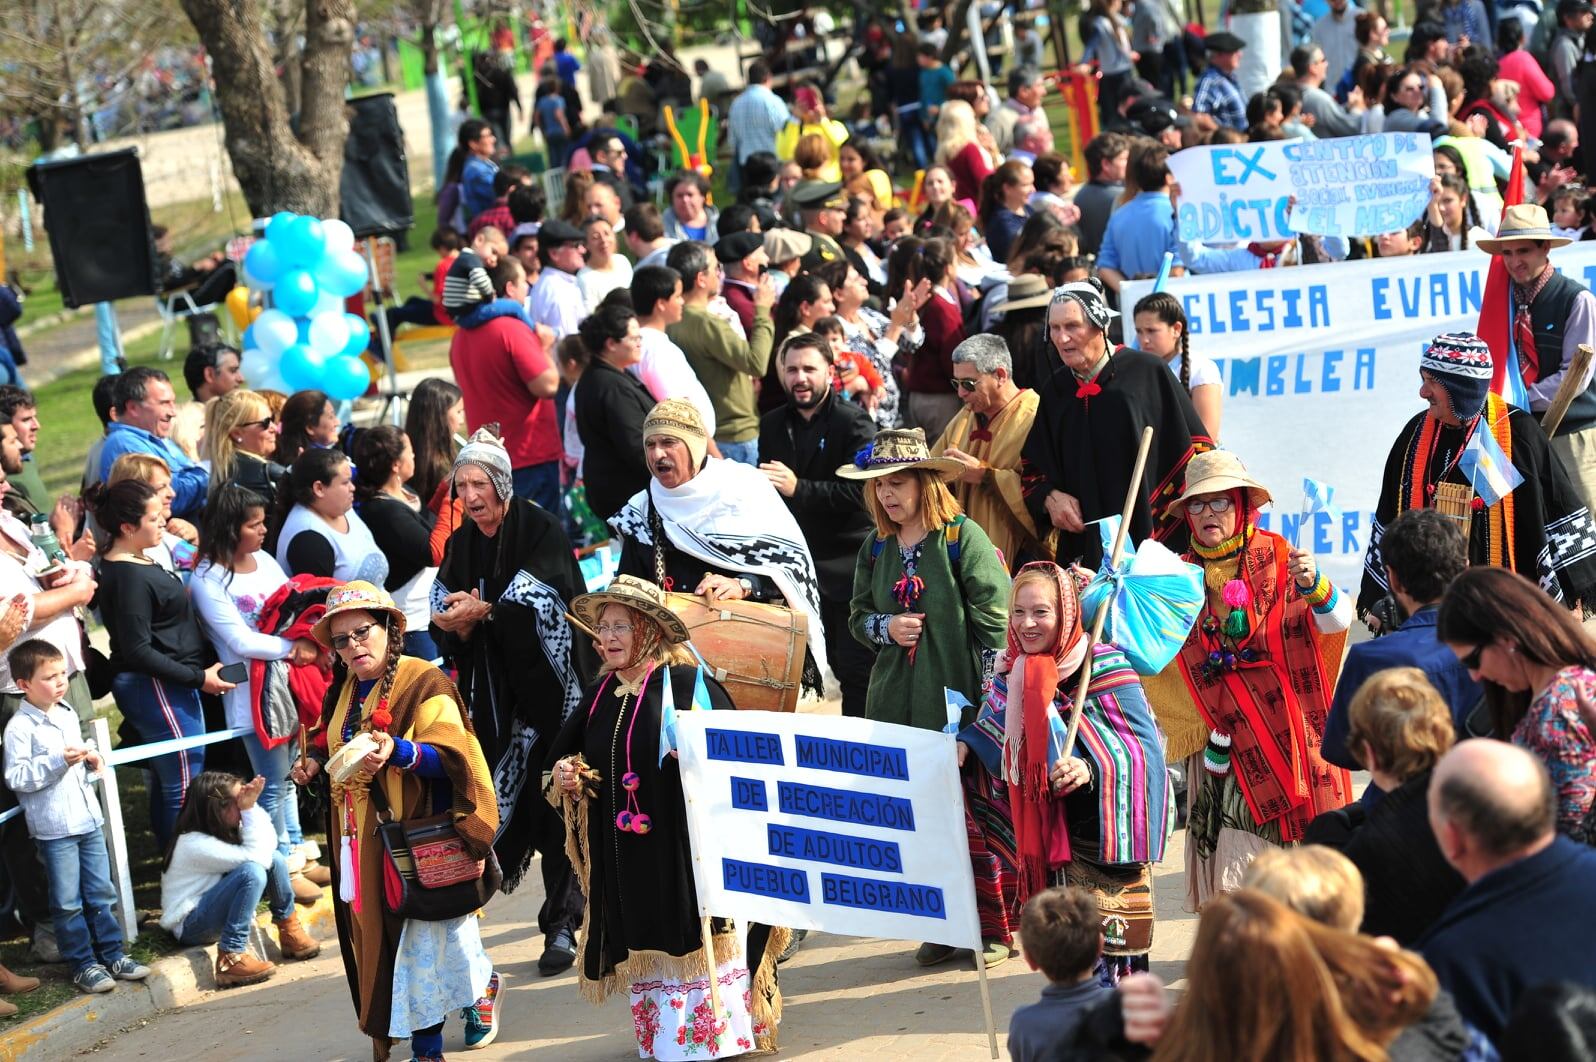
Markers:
point(1487, 467)
point(1319, 497)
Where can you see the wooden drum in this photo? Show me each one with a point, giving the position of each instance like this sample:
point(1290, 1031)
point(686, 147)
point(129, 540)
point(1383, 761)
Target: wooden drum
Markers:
point(755, 650)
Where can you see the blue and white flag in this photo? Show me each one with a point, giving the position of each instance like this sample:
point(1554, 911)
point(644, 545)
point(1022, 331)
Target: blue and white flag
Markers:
point(1319, 497)
point(1487, 467)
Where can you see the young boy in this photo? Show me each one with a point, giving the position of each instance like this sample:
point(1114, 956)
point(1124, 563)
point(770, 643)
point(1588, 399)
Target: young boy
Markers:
point(1061, 932)
point(46, 765)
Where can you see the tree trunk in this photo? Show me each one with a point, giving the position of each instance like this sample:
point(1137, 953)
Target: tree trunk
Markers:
point(276, 169)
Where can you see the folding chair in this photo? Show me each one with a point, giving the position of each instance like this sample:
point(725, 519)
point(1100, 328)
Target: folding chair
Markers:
point(174, 307)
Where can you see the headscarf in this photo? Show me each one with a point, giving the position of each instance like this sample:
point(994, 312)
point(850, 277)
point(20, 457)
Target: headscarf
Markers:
point(1461, 363)
point(1033, 680)
point(485, 451)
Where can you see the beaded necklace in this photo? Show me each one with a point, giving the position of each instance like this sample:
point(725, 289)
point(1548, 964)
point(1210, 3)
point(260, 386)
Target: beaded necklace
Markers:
point(1222, 637)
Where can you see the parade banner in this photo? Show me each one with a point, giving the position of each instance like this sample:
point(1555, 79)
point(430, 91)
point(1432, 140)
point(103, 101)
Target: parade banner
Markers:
point(829, 823)
point(1343, 186)
point(1321, 371)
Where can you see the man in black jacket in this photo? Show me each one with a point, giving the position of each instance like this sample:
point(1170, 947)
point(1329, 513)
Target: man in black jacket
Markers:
point(802, 443)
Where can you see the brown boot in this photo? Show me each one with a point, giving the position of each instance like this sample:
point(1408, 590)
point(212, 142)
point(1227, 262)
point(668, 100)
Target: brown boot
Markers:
point(15, 984)
point(234, 970)
point(317, 874)
point(7, 1009)
point(306, 892)
point(294, 941)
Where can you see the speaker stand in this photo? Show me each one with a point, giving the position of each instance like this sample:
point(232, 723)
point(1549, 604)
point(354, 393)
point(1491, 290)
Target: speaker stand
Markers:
point(394, 398)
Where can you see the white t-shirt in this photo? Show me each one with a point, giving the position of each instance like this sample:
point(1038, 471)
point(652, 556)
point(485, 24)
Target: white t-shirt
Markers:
point(597, 283)
point(666, 373)
point(355, 552)
point(229, 606)
point(1204, 370)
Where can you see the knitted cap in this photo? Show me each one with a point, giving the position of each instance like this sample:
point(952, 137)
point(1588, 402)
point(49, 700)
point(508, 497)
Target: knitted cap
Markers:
point(485, 451)
point(679, 419)
point(1088, 294)
point(1461, 363)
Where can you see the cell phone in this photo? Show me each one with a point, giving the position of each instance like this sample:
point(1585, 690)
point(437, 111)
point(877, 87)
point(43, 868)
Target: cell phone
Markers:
point(237, 674)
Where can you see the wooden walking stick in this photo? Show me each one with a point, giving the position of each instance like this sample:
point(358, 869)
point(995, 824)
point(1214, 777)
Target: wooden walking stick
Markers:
point(1096, 632)
point(1570, 388)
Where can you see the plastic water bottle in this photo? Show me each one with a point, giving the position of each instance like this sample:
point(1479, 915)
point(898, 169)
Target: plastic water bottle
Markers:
point(43, 536)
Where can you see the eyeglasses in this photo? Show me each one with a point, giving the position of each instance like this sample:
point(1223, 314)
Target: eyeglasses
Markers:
point(606, 629)
point(361, 634)
point(967, 386)
point(261, 424)
point(1220, 504)
point(1472, 661)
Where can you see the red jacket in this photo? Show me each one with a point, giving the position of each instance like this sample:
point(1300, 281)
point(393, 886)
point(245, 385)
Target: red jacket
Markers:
point(931, 367)
point(741, 299)
point(287, 696)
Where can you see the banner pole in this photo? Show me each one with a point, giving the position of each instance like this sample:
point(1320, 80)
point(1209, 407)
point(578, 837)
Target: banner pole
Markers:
point(986, 1003)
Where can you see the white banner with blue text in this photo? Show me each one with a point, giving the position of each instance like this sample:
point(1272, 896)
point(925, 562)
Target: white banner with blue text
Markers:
point(828, 823)
point(1321, 371)
point(1343, 186)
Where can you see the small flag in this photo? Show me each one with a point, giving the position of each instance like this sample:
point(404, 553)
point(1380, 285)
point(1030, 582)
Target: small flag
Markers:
point(1162, 280)
point(956, 704)
point(1487, 467)
point(1319, 497)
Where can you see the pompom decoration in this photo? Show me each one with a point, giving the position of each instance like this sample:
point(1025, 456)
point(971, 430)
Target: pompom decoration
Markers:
point(1236, 594)
point(381, 719)
point(630, 781)
point(1478, 505)
point(623, 821)
point(641, 824)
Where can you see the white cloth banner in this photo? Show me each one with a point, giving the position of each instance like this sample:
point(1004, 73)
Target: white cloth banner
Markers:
point(1321, 371)
point(821, 822)
point(1344, 186)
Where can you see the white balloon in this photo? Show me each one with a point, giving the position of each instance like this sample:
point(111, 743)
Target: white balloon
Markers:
point(329, 334)
point(275, 332)
point(257, 365)
point(337, 236)
point(326, 303)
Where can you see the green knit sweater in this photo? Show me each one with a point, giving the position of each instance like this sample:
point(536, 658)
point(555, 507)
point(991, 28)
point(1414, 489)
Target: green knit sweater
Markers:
point(727, 366)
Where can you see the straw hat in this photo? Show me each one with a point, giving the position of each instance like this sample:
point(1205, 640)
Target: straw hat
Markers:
point(637, 594)
point(1215, 471)
point(894, 450)
point(1525, 221)
point(358, 596)
point(1027, 291)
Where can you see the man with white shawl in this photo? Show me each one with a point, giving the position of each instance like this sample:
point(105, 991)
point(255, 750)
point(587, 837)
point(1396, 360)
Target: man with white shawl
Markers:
point(717, 528)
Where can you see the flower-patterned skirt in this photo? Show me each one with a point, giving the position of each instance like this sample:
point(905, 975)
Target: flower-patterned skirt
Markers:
point(440, 968)
point(673, 1018)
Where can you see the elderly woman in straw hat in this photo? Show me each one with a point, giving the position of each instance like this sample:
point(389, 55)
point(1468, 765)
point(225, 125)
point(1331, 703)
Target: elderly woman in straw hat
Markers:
point(1253, 682)
point(929, 590)
point(616, 780)
point(405, 975)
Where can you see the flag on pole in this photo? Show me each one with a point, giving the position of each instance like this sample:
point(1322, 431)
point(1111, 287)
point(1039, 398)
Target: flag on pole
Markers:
point(1319, 496)
point(1162, 280)
point(1496, 309)
point(1487, 467)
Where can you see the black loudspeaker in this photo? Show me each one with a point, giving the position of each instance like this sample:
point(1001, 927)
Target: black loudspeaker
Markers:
point(375, 187)
point(99, 226)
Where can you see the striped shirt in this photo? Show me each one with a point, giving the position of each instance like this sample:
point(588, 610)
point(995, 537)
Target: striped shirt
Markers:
point(754, 119)
point(1218, 97)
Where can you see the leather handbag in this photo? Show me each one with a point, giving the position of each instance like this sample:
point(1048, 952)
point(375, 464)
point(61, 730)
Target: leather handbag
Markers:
point(427, 873)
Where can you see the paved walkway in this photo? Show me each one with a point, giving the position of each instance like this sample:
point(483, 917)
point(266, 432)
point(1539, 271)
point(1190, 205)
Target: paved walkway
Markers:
point(845, 998)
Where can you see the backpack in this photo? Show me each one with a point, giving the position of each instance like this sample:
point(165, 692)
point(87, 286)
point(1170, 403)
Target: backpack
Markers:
point(950, 539)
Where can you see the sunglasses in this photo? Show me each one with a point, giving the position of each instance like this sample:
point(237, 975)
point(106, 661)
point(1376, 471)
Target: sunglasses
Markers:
point(1471, 662)
point(360, 634)
point(967, 386)
point(261, 424)
point(1220, 504)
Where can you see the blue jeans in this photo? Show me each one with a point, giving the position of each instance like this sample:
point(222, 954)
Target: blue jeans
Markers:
point(279, 799)
point(420, 645)
point(161, 711)
point(225, 913)
point(744, 453)
point(540, 484)
point(82, 902)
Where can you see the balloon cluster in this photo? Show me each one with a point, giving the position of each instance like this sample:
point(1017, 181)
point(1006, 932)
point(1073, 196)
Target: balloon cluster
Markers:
point(305, 341)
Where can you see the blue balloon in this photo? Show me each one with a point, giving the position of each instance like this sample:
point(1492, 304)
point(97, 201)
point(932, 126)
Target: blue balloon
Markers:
point(301, 242)
point(359, 335)
point(247, 340)
point(344, 378)
point(301, 367)
point(343, 274)
point(262, 265)
point(279, 224)
point(295, 293)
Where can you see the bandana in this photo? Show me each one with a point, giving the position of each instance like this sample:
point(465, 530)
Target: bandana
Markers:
point(1461, 363)
point(1089, 297)
point(485, 451)
point(679, 419)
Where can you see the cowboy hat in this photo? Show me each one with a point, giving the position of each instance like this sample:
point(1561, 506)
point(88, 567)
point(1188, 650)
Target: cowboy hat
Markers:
point(1217, 471)
point(1522, 221)
point(636, 594)
point(358, 596)
point(895, 450)
point(1027, 291)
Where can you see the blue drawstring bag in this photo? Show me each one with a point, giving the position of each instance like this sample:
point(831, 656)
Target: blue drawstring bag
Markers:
point(1153, 598)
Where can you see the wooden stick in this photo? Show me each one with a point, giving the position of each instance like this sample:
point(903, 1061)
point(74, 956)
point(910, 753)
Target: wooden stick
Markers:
point(1096, 633)
point(1570, 388)
point(986, 1002)
point(714, 974)
point(579, 625)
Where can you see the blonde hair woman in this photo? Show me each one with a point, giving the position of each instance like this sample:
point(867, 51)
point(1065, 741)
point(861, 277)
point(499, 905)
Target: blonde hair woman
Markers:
point(959, 149)
point(240, 438)
point(177, 547)
point(1399, 728)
